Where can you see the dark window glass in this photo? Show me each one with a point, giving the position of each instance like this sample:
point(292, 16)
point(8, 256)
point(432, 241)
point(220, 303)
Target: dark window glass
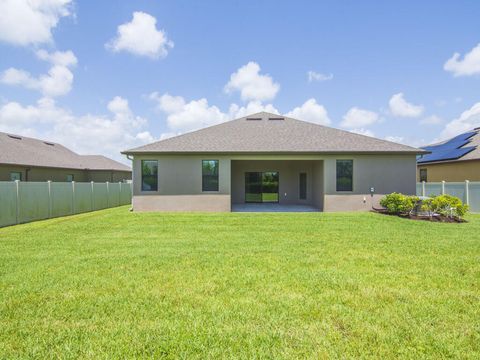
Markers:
point(69, 177)
point(423, 175)
point(149, 175)
point(261, 186)
point(15, 176)
point(303, 186)
point(209, 175)
point(344, 175)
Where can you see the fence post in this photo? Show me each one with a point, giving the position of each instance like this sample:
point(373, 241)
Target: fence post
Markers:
point(467, 197)
point(49, 182)
point(443, 187)
point(17, 215)
point(73, 197)
point(108, 194)
point(423, 188)
point(92, 199)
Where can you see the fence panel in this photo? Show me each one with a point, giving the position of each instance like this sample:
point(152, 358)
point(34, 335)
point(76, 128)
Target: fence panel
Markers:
point(456, 189)
point(62, 199)
point(433, 189)
point(43, 200)
point(126, 194)
point(33, 201)
point(474, 196)
point(100, 196)
point(83, 197)
point(8, 203)
point(113, 194)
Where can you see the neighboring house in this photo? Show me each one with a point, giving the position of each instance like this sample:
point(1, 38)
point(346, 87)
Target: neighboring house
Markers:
point(457, 159)
point(269, 158)
point(27, 159)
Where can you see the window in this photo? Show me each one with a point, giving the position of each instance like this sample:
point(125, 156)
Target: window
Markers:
point(149, 175)
point(303, 186)
point(423, 175)
point(344, 175)
point(69, 177)
point(15, 176)
point(209, 175)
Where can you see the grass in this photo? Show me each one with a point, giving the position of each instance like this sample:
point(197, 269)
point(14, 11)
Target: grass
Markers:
point(114, 284)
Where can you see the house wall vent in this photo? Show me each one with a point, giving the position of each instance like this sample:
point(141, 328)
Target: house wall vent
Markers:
point(15, 137)
point(254, 118)
point(276, 118)
point(49, 143)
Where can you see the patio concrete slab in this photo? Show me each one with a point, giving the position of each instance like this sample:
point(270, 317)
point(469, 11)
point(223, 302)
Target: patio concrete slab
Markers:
point(267, 207)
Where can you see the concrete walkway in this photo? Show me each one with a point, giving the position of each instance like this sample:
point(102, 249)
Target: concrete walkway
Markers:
point(272, 207)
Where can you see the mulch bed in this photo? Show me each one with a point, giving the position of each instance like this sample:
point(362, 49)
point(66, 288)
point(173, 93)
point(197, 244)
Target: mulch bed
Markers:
point(434, 218)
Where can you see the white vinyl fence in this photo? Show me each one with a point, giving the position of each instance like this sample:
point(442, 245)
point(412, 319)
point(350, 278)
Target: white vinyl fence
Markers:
point(22, 202)
point(467, 191)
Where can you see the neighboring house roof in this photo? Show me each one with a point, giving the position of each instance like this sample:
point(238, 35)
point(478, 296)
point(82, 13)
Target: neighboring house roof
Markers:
point(459, 148)
point(20, 150)
point(272, 133)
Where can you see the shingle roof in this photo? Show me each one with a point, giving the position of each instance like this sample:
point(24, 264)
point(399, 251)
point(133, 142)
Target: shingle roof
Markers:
point(468, 148)
point(266, 133)
point(20, 150)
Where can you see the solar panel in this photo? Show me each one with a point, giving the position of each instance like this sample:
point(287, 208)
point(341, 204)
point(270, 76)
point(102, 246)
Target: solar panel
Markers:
point(449, 150)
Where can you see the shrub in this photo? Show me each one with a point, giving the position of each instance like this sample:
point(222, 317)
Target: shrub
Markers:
point(446, 205)
point(397, 203)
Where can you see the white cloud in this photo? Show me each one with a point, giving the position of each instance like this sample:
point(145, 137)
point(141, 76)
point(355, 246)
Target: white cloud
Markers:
point(467, 121)
point(357, 118)
point(469, 65)
point(252, 107)
point(395, 139)
point(57, 82)
point(27, 22)
point(86, 134)
point(431, 120)
point(402, 108)
point(311, 111)
point(251, 84)
point(363, 131)
point(315, 76)
point(141, 37)
point(187, 116)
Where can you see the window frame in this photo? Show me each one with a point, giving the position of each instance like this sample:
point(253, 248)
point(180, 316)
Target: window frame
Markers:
point(204, 189)
point(421, 178)
point(154, 176)
point(16, 172)
point(337, 189)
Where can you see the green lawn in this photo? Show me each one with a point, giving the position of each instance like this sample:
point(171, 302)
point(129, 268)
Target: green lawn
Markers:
point(114, 284)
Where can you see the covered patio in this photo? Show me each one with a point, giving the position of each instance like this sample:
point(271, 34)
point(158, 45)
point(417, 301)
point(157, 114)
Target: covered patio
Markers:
point(277, 185)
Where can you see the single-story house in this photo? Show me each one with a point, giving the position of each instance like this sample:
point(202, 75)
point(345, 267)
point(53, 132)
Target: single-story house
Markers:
point(456, 159)
point(268, 158)
point(27, 159)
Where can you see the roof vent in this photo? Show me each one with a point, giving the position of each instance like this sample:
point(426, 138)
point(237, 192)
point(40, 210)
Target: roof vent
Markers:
point(49, 143)
point(256, 118)
point(276, 118)
point(15, 137)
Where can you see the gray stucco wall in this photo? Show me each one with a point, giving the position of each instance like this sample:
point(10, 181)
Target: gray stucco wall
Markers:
point(182, 175)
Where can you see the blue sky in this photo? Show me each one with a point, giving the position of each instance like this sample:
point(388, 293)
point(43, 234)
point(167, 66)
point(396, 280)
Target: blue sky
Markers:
point(103, 76)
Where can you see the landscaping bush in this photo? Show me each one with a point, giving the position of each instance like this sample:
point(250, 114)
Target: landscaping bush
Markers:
point(446, 205)
point(397, 203)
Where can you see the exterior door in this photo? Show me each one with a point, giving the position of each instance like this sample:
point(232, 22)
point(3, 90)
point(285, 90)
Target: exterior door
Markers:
point(261, 187)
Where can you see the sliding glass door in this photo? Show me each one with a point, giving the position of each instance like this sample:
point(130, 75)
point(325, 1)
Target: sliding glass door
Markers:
point(261, 186)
